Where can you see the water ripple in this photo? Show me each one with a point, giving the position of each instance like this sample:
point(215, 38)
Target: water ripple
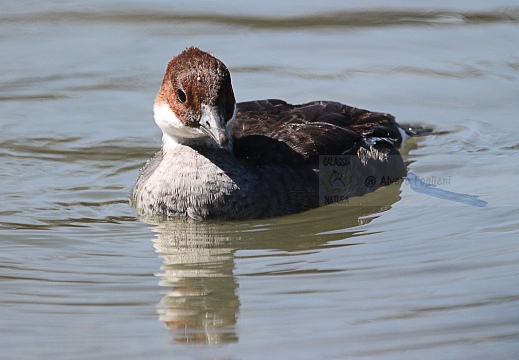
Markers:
point(359, 18)
point(52, 149)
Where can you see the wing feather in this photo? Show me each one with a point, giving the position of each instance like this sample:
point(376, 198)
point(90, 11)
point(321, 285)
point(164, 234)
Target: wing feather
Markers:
point(273, 131)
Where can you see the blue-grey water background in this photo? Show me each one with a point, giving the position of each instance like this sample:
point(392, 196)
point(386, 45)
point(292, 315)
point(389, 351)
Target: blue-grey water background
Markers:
point(395, 274)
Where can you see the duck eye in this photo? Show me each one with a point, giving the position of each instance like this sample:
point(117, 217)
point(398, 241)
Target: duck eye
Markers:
point(181, 96)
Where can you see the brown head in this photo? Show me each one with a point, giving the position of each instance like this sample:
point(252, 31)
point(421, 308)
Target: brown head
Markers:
point(196, 103)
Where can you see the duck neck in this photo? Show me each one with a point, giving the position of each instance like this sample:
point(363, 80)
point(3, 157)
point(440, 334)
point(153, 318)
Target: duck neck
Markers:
point(201, 144)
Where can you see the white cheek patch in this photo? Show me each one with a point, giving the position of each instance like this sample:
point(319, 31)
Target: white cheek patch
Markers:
point(172, 126)
point(175, 132)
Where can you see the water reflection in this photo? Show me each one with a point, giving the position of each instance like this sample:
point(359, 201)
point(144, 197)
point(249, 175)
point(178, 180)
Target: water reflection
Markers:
point(202, 304)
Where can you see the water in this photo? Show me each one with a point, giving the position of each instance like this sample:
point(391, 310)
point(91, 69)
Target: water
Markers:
point(394, 274)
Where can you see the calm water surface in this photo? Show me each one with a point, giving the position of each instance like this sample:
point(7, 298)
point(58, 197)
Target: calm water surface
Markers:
point(394, 274)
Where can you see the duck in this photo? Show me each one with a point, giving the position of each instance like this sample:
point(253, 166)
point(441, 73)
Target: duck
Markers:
point(224, 160)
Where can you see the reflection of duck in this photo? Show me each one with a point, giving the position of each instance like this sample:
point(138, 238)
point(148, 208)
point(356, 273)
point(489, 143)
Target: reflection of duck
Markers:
point(202, 305)
point(254, 159)
point(201, 301)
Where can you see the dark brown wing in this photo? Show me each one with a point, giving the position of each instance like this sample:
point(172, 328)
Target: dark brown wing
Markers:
point(269, 131)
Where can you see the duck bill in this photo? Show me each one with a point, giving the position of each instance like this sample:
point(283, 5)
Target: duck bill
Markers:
point(212, 124)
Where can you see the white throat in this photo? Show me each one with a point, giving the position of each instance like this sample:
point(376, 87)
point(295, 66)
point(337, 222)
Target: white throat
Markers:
point(175, 133)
